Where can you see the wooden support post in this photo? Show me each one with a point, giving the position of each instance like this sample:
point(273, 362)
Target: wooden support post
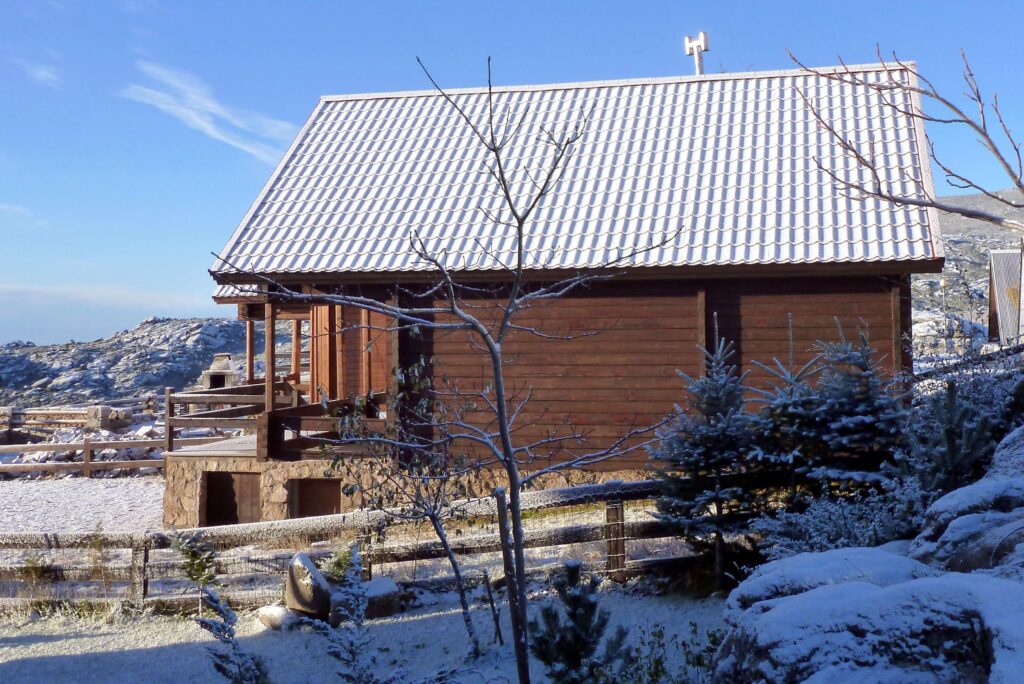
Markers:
point(168, 419)
point(250, 351)
point(702, 327)
point(365, 541)
point(269, 319)
point(615, 536)
point(87, 457)
point(138, 584)
point(297, 350)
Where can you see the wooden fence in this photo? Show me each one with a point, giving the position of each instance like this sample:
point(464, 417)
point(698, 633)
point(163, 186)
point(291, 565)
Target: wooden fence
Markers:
point(88, 448)
point(113, 413)
point(141, 567)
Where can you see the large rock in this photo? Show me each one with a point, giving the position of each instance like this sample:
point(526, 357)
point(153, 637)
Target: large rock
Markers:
point(946, 628)
point(803, 572)
point(306, 590)
point(980, 526)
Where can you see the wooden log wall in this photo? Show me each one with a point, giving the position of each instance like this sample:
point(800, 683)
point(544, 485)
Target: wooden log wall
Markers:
point(619, 371)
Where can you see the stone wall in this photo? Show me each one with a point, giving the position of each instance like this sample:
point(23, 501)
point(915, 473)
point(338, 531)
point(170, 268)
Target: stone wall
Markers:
point(184, 499)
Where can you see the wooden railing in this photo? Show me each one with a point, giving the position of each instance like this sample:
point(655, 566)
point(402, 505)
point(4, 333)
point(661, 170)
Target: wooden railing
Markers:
point(297, 432)
point(134, 575)
point(87, 447)
point(224, 408)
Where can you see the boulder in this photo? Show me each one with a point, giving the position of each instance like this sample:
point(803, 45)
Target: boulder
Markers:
point(306, 590)
point(980, 527)
point(939, 627)
point(383, 597)
point(805, 571)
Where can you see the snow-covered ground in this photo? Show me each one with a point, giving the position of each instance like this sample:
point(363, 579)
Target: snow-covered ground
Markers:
point(123, 504)
point(156, 649)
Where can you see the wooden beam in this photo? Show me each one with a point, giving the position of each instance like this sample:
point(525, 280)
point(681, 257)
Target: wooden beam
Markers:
point(702, 327)
point(297, 349)
point(897, 328)
point(270, 358)
point(250, 351)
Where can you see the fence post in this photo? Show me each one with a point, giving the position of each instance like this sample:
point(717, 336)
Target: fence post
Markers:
point(138, 584)
point(366, 553)
point(87, 457)
point(168, 419)
point(615, 536)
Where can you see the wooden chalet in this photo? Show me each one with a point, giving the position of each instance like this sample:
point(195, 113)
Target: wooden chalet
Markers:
point(724, 176)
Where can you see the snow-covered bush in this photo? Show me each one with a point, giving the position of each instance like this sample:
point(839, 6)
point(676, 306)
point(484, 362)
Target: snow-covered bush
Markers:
point(236, 665)
point(702, 450)
point(862, 517)
point(567, 638)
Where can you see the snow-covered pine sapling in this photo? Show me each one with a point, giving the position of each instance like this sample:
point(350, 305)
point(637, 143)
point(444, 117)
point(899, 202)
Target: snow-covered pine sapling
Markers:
point(236, 665)
point(703, 451)
point(200, 561)
point(862, 412)
point(789, 428)
point(350, 643)
point(567, 638)
point(953, 444)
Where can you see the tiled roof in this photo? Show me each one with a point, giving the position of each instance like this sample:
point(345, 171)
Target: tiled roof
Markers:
point(714, 170)
point(1005, 276)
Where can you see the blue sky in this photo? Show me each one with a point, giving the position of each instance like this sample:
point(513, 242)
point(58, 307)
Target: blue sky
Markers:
point(135, 134)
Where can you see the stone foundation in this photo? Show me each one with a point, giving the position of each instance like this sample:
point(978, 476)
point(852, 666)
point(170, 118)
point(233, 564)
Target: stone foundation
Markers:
point(184, 498)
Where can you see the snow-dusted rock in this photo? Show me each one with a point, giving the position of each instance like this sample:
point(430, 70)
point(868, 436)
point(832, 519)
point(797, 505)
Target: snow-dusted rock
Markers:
point(806, 571)
point(277, 618)
point(306, 590)
point(950, 628)
point(383, 598)
point(978, 527)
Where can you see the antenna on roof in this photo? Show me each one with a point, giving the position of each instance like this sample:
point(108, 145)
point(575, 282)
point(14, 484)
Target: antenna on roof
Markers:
point(696, 48)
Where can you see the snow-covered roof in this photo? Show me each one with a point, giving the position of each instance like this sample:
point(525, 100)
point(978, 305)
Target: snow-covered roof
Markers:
point(715, 170)
point(1004, 296)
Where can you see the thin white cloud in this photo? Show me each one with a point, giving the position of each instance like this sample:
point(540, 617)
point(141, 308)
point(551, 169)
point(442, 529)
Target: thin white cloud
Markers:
point(189, 99)
point(44, 74)
point(98, 295)
point(14, 209)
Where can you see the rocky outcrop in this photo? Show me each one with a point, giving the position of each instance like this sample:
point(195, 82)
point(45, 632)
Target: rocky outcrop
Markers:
point(158, 353)
point(980, 527)
point(948, 628)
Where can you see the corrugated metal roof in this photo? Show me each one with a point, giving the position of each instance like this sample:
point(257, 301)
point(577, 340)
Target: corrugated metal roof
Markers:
point(721, 169)
point(1005, 281)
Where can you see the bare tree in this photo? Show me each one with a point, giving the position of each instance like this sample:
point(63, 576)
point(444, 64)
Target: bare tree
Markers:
point(900, 88)
point(489, 316)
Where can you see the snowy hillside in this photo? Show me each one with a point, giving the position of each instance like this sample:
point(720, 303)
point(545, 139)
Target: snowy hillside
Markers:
point(158, 353)
point(967, 243)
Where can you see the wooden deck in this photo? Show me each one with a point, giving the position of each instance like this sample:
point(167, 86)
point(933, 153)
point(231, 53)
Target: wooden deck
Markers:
point(233, 447)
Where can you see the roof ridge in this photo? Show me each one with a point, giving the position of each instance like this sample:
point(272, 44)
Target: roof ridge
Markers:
point(653, 80)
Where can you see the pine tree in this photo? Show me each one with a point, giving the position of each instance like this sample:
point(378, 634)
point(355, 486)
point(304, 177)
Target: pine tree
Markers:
point(569, 646)
point(954, 444)
point(705, 445)
point(236, 665)
point(789, 427)
point(200, 561)
point(862, 413)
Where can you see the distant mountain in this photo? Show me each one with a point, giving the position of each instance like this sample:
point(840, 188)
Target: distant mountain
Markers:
point(158, 353)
